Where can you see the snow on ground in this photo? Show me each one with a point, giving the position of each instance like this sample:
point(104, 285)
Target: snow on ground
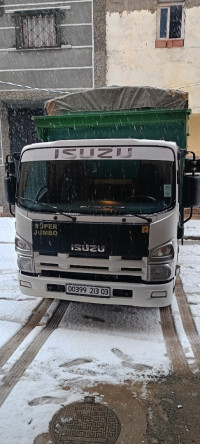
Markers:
point(7, 229)
point(15, 308)
point(93, 344)
point(78, 355)
point(192, 228)
point(189, 260)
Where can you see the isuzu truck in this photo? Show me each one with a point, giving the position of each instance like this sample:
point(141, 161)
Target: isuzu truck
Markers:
point(99, 202)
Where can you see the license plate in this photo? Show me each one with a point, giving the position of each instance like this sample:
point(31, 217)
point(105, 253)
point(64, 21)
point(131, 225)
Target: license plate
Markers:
point(88, 290)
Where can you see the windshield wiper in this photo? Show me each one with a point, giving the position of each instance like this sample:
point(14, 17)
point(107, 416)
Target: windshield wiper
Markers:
point(148, 219)
point(51, 207)
point(95, 207)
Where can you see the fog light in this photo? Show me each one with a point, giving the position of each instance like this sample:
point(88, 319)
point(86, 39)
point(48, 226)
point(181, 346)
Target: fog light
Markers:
point(25, 263)
point(158, 294)
point(25, 284)
point(160, 272)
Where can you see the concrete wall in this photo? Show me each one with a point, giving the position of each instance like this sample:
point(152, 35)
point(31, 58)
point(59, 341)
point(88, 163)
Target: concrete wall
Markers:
point(70, 66)
point(132, 58)
point(4, 151)
point(103, 42)
point(100, 50)
point(194, 133)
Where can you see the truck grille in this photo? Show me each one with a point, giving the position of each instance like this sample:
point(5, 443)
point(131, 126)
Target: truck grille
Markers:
point(93, 277)
point(113, 269)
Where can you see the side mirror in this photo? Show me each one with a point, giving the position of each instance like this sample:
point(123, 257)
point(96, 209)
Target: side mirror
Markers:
point(10, 189)
point(9, 166)
point(191, 191)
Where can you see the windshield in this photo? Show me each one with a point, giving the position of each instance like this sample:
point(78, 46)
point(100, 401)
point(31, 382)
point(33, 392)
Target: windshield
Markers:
point(96, 186)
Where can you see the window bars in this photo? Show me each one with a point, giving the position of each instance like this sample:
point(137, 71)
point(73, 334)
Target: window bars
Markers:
point(37, 30)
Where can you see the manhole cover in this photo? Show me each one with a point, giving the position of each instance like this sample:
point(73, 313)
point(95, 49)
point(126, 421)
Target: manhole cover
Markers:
point(86, 423)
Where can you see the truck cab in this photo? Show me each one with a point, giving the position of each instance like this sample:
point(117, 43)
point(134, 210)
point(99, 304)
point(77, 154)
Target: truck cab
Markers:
point(97, 220)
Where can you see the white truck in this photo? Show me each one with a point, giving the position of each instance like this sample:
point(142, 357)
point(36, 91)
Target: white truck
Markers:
point(99, 219)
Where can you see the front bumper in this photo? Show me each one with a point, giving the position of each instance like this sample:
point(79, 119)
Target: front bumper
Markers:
point(142, 295)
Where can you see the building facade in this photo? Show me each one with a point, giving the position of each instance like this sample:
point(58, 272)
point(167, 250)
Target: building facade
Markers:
point(50, 47)
point(156, 43)
point(46, 49)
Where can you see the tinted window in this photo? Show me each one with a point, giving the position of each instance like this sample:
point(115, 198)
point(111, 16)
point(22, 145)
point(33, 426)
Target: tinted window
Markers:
point(96, 186)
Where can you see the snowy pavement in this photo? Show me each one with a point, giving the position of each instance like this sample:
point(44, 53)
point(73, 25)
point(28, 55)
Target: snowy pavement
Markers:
point(15, 308)
point(189, 261)
point(93, 344)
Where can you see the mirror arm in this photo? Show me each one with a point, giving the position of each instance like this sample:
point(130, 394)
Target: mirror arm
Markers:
point(11, 212)
point(190, 216)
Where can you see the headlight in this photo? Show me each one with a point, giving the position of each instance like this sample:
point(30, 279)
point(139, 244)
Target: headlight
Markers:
point(159, 272)
point(25, 263)
point(165, 251)
point(22, 246)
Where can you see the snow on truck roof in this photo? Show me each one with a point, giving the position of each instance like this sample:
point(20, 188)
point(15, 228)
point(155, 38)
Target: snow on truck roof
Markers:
point(117, 98)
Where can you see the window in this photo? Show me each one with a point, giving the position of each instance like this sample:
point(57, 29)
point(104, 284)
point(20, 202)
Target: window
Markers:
point(170, 25)
point(37, 29)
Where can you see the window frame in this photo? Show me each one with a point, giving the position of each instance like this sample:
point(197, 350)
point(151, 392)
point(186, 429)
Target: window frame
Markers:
point(167, 41)
point(18, 16)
